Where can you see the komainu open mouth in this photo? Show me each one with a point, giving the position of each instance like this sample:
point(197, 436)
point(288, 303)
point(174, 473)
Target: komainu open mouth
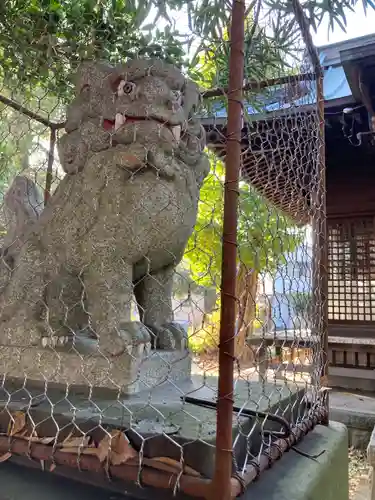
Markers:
point(121, 119)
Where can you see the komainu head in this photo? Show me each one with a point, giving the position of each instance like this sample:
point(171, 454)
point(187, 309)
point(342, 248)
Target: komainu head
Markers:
point(145, 102)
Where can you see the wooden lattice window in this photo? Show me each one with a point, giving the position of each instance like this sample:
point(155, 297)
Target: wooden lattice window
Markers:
point(351, 270)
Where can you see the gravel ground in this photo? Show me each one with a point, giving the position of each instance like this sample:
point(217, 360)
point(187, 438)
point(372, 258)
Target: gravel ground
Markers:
point(358, 471)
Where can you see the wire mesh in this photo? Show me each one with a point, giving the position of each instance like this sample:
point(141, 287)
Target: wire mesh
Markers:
point(112, 187)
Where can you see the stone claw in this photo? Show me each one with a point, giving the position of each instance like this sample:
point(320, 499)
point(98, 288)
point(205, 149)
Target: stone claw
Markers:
point(132, 337)
point(170, 336)
point(54, 341)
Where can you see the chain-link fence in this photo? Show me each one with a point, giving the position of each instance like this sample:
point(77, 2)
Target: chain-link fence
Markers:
point(119, 307)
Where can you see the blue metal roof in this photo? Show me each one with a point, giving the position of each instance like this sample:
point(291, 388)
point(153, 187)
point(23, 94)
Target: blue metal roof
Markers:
point(335, 86)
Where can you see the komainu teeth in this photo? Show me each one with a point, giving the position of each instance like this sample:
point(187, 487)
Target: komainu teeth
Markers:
point(119, 121)
point(176, 131)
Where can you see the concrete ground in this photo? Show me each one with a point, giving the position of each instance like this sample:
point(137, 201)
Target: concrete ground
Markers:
point(363, 493)
point(21, 483)
point(357, 411)
point(359, 475)
point(363, 490)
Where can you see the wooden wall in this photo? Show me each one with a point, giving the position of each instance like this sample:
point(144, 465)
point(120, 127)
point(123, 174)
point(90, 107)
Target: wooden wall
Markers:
point(351, 191)
point(350, 183)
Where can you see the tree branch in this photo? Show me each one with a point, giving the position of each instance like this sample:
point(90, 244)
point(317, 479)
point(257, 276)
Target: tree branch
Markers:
point(254, 85)
point(307, 38)
point(34, 116)
point(206, 94)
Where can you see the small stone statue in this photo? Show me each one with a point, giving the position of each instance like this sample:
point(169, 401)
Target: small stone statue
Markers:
point(120, 219)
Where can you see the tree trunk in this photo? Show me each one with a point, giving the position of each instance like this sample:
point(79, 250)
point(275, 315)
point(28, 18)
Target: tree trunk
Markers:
point(247, 284)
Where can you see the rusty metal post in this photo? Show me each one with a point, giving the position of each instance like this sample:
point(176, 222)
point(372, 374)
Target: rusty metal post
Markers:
point(319, 201)
point(223, 467)
point(322, 268)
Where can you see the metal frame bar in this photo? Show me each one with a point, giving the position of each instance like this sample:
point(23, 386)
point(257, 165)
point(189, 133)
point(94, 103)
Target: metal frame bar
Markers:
point(224, 438)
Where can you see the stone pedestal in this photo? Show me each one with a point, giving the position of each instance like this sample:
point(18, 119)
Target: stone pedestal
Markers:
point(298, 478)
point(158, 420)
point(125, 373)
point(371, 461)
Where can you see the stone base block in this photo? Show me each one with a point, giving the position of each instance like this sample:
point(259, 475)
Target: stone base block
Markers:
point(356, 379)
point(124, 372)
point(158, 420)
point(299, 478)
point(371, 462)
point(357, 413)
point(292, 478)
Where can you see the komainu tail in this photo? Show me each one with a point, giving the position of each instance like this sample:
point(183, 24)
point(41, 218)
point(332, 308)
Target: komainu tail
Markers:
point(23, 204)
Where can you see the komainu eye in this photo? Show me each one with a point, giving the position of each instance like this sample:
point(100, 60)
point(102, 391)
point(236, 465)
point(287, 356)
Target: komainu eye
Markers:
point(85, 89)
point(177, 96)
point(125, 88)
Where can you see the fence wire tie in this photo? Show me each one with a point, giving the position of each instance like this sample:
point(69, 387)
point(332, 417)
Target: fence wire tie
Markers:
point(279, 449)
point(269, 458)
point(234, 358)
point(236, 475)
point(308, 455)
point(232, 190)
point(257, 468)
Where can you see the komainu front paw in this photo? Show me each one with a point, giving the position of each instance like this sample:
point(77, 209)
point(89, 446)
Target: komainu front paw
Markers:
point(132, 337)
point(53, 341)
point(170, 336)
point(81, 342)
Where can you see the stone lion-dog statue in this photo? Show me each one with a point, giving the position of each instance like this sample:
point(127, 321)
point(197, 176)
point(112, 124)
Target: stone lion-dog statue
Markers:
point(117, 225)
